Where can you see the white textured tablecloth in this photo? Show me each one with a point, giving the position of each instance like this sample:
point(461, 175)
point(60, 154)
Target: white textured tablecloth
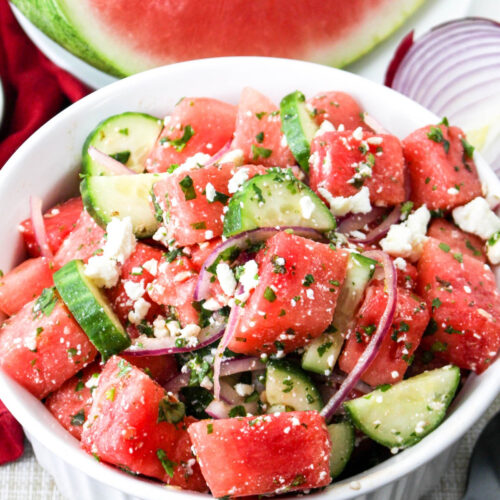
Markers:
point(26, 480)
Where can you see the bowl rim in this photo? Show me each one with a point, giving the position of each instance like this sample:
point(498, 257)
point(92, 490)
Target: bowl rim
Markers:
point(483, 388)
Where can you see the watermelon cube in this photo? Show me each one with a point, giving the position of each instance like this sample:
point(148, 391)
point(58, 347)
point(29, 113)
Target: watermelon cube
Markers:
point(443, 175)
point(276, 453)
point(396, 352)
point(258, 131)
point(459, 241)
point(23, 283)
point(294, 301)
point(465, 324)
point(82, 242)
point(343, 162)
point(59, 221)
point(42, 346)
point(128, 427)
point(197, 125)
point(338, 108)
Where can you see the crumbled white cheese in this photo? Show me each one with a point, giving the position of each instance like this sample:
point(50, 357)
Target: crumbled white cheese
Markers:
point(210, 192)
point(174, 328)
point(453, 191)
point(249, 278)
point(358, 134)
point(493, 251)
point(226, 278)
point(206, 383)
point(476, 217)
point(193, 162)
point(151, 266)
point(211, 305)
point(102, 271)
point(120, 241)
point(244, 390)
point(237, 180)
point(190, 330)
point(326, 126)
point(160, 329)
point(161, 235)
point(235, 156)
point(307, 207)
point(141, 308)
point(134, 290)
point(407, 239)
point(400, 263)
point(357, 204)
point(209, 235)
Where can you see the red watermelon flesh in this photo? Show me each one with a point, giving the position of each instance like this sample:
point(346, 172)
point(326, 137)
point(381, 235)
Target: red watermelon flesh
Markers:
point(289, 308)
point(458, 240)
point(85, 239)
point(338, 108)
point(396, 352)
point(336, 157)
point(23, 283)
point(275, 453)
point(41, 351)
point(192, 218)
point(125, 428)
point(108, 34)
point(258, 131)
point(201, 251)
point(464, 329)
point(442, 175)
point(203, 125)
point(59, 222)
point(71, 403)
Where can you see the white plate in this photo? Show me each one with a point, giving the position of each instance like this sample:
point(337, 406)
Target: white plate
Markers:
point(372, 66)
point(46, 166)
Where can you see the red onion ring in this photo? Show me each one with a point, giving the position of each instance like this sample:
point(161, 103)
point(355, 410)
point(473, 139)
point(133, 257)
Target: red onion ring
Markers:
point(114, 166)
point(356, 222)
point(38, 223)
point(375, 125)
point(228, 399)
point(376, 340)
point(159, 347)
point(217, 156)
point(241, 241)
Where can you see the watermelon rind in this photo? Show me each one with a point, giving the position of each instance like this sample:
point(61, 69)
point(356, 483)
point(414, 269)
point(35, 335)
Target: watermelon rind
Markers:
point(74, 26)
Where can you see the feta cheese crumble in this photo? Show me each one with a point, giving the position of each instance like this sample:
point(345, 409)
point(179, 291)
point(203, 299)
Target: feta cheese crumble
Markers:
point(407, 239)
point(357, 204)
point(326, 126)
point(477, 218)
point(237, 180)
point(226, 278)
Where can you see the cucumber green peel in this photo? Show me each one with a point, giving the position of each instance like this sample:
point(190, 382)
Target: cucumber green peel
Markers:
point(91, 309)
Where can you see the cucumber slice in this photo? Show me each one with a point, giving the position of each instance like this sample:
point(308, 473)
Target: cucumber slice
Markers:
point(298, 126)
point(128, 137)
point(342, 438)
point(110, 196)
point(276, 199)
point(288, 385)
point(321, 354)
point(91, 309)
point(403, 414)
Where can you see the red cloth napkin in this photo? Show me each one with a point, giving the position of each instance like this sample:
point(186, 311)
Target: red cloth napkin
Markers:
point(35, 90)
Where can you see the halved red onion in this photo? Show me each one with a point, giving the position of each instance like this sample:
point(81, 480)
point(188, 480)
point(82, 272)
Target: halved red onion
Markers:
point(175, 384)
point(111, 164)
point(217, 156)
point(454, 70)
point(152, 346)
point(376, 340)
point(356, 222)
point(38, 223)
point(218, 409)
point(242, 241)
point(229, 398)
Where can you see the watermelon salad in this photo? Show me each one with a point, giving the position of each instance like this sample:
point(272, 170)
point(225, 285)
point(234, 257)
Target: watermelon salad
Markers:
point(256, 299)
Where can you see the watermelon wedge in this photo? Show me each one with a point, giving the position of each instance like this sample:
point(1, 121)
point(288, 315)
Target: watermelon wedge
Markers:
point(123, 37)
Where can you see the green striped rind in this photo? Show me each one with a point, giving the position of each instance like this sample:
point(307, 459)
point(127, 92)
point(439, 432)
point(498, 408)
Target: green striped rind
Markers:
point(289, 386)
point(109, 137)
point(272, 200)
point(298, 126)
point(400, 416)
point(120, 196)
point(91, 309)
point(342, 439)
point(50, 17)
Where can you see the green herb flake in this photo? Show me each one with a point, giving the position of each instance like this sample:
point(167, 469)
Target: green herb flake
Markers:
point(259, 137)
point(124, 367)
point(79, 386)
point(180, 144)
point(458, 257)
point(123, 131)
point(46, 302)
point(173, 167)
point(436, 134)
point(210, 428)
point(78, 418)
point(110, 394)
point(472, 248)
point(436, 303)
point(199, 225)
point(406, 208)
point(269, 294)
point(384, 387)
point(121, 156)
point(308, 280)
point(323, 348)
point(167, 464)
point(260, 152)
point(444, 247)
point(468, 148)
point(170, 411)
point(187, 187)
point(237, 411)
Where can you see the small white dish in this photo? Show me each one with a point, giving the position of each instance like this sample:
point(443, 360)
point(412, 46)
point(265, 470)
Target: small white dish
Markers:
point(46, 165)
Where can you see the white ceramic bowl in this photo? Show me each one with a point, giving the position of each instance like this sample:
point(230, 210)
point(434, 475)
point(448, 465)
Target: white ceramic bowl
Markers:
point(47, 164)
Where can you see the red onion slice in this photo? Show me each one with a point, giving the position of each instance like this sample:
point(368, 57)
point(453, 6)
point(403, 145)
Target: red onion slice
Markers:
point(242, 241)
point(377, 127)
point(114, 166)
point(160, 346)
point(454, 70)
point(38, 223)
point(229, 398)
point(356, 222)
point(376, 340)
point(217, 156)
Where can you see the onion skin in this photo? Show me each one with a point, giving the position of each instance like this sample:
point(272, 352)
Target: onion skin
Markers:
point(113, 165)
point(38, 223)
point(399, 55)
point(377, 338)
